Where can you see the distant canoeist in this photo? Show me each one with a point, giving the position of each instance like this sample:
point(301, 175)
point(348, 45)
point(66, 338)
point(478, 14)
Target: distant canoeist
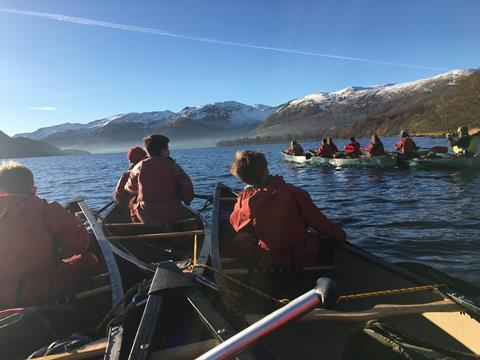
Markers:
point(159, 184)
point(406, 146)
point(271, 217)
point(43, 248)
point(464, 145)
point(324, 150)
point(294, 149)
point(353, 148)
point(376, 147)
point(333, 147)
point(121, 196)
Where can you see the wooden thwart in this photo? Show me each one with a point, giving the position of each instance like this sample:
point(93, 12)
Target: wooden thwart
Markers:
point(382, 311)
point(93, 292)
point(158, 235)
point(141, 225)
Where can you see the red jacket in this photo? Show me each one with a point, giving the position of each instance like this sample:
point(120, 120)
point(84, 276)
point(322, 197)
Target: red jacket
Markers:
point(276, 218)
point(34, 237)
point(296, 150)
point(353, 148)
point(121, 195)
point(406, 146)
point(325, 150)
point(160, 185)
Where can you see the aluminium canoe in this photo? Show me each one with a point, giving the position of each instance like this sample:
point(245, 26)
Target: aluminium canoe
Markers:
point(383, 161)
point(328, 335)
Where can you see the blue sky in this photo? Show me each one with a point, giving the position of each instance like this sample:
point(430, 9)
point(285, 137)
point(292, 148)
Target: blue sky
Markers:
point(55, 70)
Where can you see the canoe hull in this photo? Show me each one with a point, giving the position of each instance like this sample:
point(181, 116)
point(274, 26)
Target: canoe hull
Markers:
point(295, 159)
point(458, 163)
point(384, 161)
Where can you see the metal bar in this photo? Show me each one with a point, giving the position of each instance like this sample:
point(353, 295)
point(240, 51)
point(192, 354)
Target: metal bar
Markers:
point(114, 272)
point(255, 332)
point(114, 344)
point(142, 344)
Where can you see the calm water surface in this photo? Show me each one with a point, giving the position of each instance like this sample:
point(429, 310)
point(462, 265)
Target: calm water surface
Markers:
point(432, 217)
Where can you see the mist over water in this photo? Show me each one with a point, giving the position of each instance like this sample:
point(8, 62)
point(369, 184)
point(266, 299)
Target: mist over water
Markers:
point(432, 217)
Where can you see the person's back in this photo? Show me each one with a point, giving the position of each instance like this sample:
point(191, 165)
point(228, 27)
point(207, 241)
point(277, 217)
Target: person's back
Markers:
point(43, 249)
point(325, 150)
point(160, 185)
point(353, 148)
point(376, 147)
point(271, 220)
point(332, 147)
point(294, 149)
point(121, 196)
point(406, 145)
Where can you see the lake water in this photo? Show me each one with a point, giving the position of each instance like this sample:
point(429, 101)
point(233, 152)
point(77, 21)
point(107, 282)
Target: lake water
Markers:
point(432, 217)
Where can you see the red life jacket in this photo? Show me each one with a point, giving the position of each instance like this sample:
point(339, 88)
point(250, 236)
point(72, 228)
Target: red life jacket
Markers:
point(160, 185)
point(275, 219)
point(352, 148)
point(295, 150)
point(406, 146)
point(32, 234)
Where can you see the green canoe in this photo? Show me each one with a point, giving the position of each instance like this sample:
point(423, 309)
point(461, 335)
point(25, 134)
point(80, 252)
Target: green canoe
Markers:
point(302, 159)
point(383, 161)
point(446, 162)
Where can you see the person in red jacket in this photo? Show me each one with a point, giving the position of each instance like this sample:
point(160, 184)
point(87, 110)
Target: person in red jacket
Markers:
point(294, 149)
point(324, 150)
point(353, 148)
point(406, 146)
point(43, 248)
point(122, 197)
point(376, 147)
point(271, 217)
point(159, 184)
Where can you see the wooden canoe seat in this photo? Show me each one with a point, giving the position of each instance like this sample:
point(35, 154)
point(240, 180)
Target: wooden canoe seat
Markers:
point(99, 278)
point(158, 236)
point(141, 225)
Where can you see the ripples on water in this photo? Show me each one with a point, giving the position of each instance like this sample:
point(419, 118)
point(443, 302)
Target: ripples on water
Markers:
point(432, 217)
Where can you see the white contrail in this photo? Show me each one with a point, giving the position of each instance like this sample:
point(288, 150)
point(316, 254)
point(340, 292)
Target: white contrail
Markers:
point(147, 30)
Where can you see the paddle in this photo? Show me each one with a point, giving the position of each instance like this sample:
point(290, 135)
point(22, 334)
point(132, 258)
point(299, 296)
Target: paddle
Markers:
point(209, 198)
point(104, 207)
point(324, 294)
point(437, 149)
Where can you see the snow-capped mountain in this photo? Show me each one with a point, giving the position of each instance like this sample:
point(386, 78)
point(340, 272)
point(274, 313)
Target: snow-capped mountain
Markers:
point(211, 120)
point(336, 109)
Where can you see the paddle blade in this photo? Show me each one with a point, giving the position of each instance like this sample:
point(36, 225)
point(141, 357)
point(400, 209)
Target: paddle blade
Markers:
point(440, 149)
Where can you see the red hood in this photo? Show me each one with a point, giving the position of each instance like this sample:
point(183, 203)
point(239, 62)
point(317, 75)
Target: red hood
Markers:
point(15, 207)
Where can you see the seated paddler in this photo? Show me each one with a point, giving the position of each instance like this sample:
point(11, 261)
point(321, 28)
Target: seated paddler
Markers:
point(294, 149)
point(464, 145)
point(43, 248)
point(122, 197)
point(159, 184)
point(271, 217)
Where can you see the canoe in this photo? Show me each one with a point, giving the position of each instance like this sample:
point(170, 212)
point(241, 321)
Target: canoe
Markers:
point(437, 317)
point(295, 159)
point(319, 161)
point(383, 161)
point(132, 254)
point(445, 162)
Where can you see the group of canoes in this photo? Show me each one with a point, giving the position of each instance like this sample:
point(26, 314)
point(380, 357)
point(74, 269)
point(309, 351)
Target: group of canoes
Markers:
point(406, 153)
point(160, 295)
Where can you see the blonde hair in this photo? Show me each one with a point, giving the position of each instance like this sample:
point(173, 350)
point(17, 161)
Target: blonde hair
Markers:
point(16, 178)
point(249, 166)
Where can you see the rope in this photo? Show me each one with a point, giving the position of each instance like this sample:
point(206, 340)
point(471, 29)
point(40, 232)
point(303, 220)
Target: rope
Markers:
point(245, 286)
point(282, 302)
point(388, 292)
